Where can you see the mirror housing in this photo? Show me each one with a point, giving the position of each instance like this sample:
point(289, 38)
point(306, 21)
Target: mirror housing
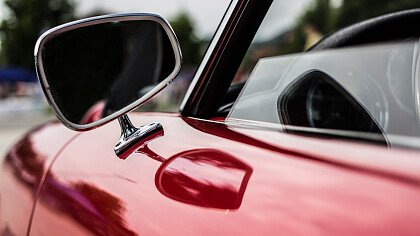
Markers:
point(108, 62)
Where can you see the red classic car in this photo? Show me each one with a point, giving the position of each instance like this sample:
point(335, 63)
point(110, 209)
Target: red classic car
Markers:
point(324, 142)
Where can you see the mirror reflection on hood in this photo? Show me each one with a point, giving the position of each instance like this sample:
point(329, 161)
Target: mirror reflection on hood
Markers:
point(205, 178)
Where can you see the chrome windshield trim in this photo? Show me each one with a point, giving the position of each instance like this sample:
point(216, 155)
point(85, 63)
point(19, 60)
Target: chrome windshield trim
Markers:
point(209, 52)
point(416, 78)
point(249, 124)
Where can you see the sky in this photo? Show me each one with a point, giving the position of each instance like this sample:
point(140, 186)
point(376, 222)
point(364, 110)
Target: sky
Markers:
point(281, 16)
point(205, 14)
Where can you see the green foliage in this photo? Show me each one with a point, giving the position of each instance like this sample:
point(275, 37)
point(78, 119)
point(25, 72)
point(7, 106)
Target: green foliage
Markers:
point(26, 20)
point(190, 44)
point(299, 40)
point(353, 11)
point(320, 15)
point(325, 18)
point(320, 18)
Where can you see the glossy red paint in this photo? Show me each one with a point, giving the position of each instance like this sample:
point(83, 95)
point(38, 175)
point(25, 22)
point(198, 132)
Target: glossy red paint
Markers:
point(204, 177)
point(25, 166)
point(93, 114)
point(296, 186)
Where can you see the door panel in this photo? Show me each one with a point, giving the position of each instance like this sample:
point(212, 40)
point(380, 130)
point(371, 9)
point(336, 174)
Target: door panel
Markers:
point(277, 183)
point(24, 168)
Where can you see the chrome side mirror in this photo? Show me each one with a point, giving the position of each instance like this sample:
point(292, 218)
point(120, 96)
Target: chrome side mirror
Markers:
point(108, 65)
point(95, 70)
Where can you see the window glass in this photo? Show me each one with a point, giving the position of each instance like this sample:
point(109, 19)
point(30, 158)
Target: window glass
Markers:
point(294, 26)
point(372, 90)
point(366, 91)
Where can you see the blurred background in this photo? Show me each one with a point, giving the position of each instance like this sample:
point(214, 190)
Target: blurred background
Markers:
point(298, 25)
point(22, 104)
point(292, 27)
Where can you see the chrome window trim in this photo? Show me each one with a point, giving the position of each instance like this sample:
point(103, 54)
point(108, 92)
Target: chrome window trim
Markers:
point(100, 20)
point(286, 129)
point(209, 52)
point(416, 79)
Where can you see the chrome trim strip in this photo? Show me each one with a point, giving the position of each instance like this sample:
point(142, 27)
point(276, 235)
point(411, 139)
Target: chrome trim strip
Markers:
point(416, 79)
point(100, 20)
point(209, 52)
point(249, 124)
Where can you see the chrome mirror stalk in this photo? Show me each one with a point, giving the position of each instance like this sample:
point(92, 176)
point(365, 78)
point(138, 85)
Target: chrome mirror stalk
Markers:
point(130, 135)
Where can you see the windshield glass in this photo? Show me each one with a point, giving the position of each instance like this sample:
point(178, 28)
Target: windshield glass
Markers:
point(367, 91)
point(293, 27)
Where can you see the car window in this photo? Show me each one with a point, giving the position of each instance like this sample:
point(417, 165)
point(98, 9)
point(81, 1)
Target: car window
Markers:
point(362, 91)
point(293, 27)
point(371, 89)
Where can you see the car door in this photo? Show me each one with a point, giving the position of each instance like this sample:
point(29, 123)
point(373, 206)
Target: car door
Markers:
point(205, 178)
point(206, 174)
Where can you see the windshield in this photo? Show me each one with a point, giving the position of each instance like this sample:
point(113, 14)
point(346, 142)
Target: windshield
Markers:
point(370, 91)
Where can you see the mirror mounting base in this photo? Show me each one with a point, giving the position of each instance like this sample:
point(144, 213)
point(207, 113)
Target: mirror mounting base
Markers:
point(131, 135)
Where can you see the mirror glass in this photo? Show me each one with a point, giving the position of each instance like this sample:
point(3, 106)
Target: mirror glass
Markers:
point(91, 72)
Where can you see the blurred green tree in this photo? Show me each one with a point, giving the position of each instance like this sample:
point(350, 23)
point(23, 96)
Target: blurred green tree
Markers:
point(319, 15)
point(322, 17)
point(26, 20)
point(191, 45)
point(317, 20)
point(352, 11)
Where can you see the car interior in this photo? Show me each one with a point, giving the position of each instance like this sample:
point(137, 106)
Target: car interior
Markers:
point(392, 27)
point(317, 101)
